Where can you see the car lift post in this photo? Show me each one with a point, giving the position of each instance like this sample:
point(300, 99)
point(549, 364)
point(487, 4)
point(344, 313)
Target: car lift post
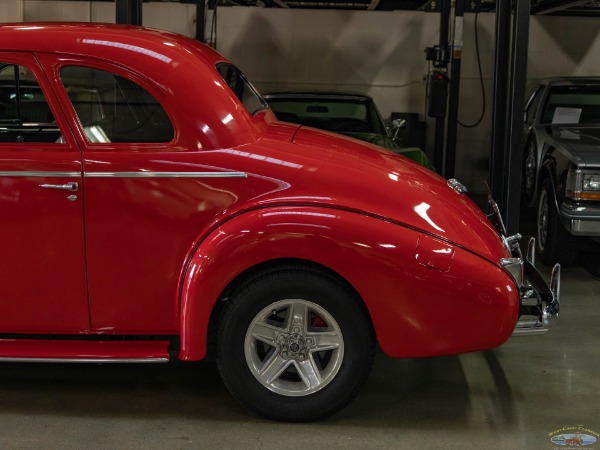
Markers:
point(438, 96)
point(509, 109)
point(201, 6)
point(128, 12)
point(455, 64)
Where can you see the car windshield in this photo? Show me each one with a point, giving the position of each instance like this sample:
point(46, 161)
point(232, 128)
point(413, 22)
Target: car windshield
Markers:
point(572, 105)
point(331, 114)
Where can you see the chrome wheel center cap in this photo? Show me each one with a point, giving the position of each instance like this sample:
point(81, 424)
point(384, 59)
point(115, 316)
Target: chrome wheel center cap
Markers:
point(295, 343)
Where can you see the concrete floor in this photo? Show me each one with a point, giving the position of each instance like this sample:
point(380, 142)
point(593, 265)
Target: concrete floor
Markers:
point(512, 397)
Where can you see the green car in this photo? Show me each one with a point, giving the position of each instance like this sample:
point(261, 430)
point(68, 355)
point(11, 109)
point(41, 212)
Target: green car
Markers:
point(349, 113)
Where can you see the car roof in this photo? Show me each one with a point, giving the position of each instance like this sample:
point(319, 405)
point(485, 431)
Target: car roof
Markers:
point(177, 67)
point(570, 81)
point(334, 95)
point(102, 40)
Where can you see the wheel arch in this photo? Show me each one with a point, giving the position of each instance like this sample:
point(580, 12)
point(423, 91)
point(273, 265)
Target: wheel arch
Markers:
point(266, 239)
point(548, 172)
point(541, 147)
point(271, 266)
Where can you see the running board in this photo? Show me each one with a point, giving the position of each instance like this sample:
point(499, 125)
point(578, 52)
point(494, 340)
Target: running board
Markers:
point(83, 351)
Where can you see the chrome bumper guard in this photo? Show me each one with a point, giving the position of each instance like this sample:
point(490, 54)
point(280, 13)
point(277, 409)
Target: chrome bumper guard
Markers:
point(540, 301)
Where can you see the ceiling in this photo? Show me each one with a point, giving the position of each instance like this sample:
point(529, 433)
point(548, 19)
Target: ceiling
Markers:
point(584, 8)
point(538, 7)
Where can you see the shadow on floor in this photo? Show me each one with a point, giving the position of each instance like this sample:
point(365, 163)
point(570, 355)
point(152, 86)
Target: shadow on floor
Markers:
point(416, 393)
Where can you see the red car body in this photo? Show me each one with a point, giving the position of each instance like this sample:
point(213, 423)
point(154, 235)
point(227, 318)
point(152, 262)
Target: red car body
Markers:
point(155, 234)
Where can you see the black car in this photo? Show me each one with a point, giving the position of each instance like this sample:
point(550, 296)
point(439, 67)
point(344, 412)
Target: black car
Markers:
point(561, 175)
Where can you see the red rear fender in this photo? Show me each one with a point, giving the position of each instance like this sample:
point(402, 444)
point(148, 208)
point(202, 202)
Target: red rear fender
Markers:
point(420, 304)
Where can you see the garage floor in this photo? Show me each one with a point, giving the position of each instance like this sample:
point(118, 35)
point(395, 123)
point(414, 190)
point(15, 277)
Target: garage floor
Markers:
point(513, 397)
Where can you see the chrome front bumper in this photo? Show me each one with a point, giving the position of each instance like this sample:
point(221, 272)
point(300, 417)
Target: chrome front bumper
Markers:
point(581, 219)
point(540, 301)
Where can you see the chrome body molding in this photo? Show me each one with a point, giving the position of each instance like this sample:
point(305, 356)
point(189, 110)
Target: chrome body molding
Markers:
point(29, 173)
point(457, 186)
point(86, 360)
point(165, 175)
point(515, 267)
point(18, 173)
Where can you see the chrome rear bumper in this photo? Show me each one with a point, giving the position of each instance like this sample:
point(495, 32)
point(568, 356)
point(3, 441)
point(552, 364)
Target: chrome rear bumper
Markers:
point(540, 301)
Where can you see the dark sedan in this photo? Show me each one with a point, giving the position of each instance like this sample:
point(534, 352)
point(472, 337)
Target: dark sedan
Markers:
point(561, 175)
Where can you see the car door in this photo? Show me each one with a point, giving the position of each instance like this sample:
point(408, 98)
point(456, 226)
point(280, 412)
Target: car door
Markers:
point(146, 197)
point(42, 259)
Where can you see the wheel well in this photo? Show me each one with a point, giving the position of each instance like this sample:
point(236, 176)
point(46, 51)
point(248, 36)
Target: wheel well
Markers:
point(546, 170)
point(261, 269)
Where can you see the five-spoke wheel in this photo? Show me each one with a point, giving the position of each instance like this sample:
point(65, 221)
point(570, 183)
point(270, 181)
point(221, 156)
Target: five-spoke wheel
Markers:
point(294, 347)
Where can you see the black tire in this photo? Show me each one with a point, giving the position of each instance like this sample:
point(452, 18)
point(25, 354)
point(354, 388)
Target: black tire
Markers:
point(554, 242)
point(256, 373)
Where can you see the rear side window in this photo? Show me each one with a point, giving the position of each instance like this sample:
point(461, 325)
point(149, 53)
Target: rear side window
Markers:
point(242, 88)
point(25, 115)
point(112, 108)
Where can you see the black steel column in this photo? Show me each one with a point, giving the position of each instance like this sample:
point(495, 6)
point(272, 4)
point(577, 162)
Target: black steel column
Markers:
point(440, 122)
point(500, 96)
point(516, 110)
point(129, 12)
point(454, 90)
point(200, 19)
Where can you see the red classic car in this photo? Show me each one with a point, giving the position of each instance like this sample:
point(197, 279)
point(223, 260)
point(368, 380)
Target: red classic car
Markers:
point(151, 204)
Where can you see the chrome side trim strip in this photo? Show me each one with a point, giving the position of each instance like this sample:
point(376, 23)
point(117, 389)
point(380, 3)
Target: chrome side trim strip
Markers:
point(86, 360)
point(165, 175)
point(18, 173)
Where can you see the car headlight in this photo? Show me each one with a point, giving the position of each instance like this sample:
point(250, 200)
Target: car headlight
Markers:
point(583, 185)
point(591, 182)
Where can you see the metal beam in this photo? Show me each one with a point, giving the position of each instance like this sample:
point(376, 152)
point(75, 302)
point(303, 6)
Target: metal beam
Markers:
point(200, 19)
point(452, 132)
point(373, 5)
point(128, 12)
point(516, 110)
point(500, 104)
point(440, 122)
point(553, 6)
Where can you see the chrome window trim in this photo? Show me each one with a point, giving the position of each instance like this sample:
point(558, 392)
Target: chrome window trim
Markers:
point(165, 175)
point(24, 173)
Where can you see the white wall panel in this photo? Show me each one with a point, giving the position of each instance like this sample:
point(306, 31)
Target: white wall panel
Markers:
point(176, 17)
point(48, 10)
point(11, 11)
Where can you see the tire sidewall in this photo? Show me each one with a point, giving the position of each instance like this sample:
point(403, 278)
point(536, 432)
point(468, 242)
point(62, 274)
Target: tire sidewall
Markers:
point(560, 246)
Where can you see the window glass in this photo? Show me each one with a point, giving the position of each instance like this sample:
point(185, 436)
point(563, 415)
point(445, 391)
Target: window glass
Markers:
point(332, 114)
point(25, 115)
point(573, 105)
point(242, 88)
point(114, 109)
